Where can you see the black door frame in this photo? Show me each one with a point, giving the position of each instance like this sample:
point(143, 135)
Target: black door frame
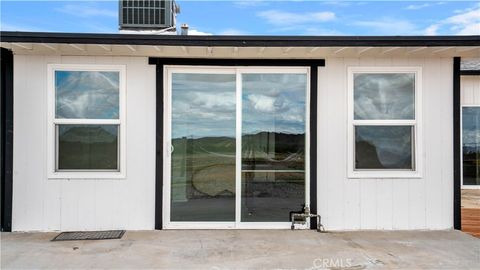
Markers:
point(457, 133)
point(6, 119)
point(161, 62)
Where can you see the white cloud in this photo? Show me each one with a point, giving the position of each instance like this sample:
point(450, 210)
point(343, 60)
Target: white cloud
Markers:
point(86, 11)
point(432, 30)
point(250, 3)
point(19, 27)
point(424, 5)
point(389, 26)
point(232, 32)
point(194, 32)
point(466, 22)
point(277, 17)
point(419, 6)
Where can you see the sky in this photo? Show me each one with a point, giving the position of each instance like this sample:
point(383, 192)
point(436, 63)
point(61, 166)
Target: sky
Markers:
point(259, 17)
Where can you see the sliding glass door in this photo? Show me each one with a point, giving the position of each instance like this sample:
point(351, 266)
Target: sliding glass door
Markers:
point(237, 146)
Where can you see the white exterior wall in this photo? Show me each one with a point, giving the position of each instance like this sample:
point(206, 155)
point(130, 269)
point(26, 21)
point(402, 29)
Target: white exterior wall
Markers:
point(345, 204)
point(46, 204)
point(351, 204)
point(470, 90)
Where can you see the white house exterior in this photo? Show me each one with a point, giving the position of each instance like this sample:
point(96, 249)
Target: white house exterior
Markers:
point(417, 187)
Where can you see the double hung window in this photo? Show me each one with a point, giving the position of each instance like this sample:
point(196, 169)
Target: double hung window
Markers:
point(384, 117)
point(86, 115)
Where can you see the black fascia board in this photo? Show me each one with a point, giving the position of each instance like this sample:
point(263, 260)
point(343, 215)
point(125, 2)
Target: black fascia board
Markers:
point(240, 41)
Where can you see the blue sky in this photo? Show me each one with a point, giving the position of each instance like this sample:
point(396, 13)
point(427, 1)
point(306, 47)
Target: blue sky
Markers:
point(260, 17)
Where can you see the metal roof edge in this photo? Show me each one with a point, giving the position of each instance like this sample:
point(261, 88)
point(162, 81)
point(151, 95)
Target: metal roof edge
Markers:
point(238, 41)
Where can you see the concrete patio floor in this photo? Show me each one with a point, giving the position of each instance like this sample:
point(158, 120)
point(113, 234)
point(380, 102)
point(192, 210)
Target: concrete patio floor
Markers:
point(247, 249)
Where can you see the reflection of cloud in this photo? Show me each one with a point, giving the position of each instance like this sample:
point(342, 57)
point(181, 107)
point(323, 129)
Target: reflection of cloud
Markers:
point(262, 103)
point(87, 94)
point(274, 102)
point(471, 126)
point(384, 96)
point(205, 104)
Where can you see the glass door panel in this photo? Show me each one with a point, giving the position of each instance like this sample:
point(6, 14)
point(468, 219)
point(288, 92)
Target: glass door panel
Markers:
point(203, 127)
point(273, 146)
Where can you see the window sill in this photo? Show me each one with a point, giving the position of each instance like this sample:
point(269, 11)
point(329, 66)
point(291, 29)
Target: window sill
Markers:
point(86, 175)
point(384, 174)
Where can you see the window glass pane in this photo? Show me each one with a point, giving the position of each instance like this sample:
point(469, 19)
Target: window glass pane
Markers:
point(203, 139)
point(384, 96)
point(471, 145)
point(87, 147)
point(273, 146)
point(87, 94)
point(383, 147)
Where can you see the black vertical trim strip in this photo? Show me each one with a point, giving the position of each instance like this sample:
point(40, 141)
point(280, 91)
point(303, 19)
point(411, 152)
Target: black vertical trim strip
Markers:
point(313, 143)
point(6, 102)
point(457, 224)
point(159, 150)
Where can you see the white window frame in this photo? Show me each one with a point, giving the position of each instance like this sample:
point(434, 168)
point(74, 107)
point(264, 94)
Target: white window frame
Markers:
point(237, 71)
point(461, 145)
point(53, 173)
point(416, 123)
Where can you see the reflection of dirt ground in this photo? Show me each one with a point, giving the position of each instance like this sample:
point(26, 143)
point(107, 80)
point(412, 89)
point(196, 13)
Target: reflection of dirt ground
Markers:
point(471, 211)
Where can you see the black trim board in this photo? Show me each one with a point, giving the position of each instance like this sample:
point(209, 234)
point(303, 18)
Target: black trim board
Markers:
point(159, 149)
point(470, 72)
point(6, 104)
point(457, 223)
point(160, 62)
point(240, 41)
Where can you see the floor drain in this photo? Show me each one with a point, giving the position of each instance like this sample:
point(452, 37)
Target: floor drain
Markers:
point(94, 235)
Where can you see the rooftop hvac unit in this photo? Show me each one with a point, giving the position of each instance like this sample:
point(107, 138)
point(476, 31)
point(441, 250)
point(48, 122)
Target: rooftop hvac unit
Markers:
point(147, 14)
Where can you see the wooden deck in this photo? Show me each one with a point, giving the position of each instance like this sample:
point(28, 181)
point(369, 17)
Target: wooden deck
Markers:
point(471, 221)
point(471, 211)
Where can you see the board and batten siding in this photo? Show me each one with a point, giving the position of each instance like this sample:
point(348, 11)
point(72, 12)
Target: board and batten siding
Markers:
point(386, 204)
point(470, 90)
point(46, 204)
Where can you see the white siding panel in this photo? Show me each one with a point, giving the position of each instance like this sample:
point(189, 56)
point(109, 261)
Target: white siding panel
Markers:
point(46, 204)
point(470, 90)
point(421, 203)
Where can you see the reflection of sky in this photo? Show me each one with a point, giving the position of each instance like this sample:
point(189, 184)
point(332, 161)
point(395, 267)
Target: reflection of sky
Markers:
point(384, 96)
point(273, 102)
point(203, 105)
point(87, 94)
point(471, 126)
point(392, 143)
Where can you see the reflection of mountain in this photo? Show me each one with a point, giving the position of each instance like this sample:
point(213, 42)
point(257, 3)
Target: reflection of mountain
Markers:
point(471, 148)
point(367, 158)
point(86, 134)
point(87, 148)
point(260, 151)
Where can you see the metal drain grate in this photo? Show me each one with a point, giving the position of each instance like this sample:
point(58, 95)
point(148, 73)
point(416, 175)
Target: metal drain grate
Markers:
point(96, 235)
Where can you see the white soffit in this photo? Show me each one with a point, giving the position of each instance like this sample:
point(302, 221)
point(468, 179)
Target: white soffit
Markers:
point(238, 52)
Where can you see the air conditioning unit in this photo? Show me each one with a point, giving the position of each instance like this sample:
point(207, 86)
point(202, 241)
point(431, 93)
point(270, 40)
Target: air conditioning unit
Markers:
point(147, 14)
